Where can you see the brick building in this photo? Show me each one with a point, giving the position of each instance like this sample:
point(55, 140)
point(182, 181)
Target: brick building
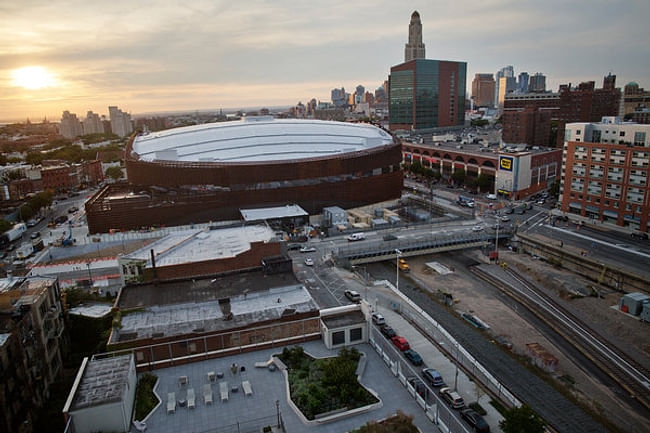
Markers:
point(199, 253)
point(584, 103)
point(32, 341)
point(635, 97)
point(483, 88)
point(530, 125)
point(515, 173)
point(605, 172)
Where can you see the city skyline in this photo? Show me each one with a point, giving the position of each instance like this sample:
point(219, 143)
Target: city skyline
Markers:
point(215, 55)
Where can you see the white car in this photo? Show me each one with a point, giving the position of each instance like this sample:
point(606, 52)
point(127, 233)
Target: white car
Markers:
point(309, 262)
point(477, 228)
point(491, 196)
point(307, 249)
point(378, 319)
point(505, 218)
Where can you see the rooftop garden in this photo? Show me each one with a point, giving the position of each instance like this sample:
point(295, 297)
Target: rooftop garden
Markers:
point(321, 386)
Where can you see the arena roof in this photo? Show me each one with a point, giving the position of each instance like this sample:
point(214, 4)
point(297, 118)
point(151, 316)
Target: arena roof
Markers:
point(260, 138)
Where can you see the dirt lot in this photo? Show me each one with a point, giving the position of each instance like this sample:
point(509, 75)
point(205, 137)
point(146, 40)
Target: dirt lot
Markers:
point(491, 306)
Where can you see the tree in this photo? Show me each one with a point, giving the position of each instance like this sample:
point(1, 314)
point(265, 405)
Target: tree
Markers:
point(521, 420)
point(554, 190)
point(114, 173)
point(458, 176)
point(483, 181)
point(479, 122)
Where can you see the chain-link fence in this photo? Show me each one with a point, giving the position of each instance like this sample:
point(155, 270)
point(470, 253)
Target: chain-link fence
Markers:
point(446, 342)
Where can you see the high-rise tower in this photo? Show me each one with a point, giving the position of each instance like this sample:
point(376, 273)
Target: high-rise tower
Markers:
point(415, 48)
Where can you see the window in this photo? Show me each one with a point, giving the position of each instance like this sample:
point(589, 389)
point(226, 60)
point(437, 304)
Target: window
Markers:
point(577, 132)
point(355, 334)
point(338, 337)
point(622, 134)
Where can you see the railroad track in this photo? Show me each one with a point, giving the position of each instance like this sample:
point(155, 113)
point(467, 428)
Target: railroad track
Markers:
point(629, 374)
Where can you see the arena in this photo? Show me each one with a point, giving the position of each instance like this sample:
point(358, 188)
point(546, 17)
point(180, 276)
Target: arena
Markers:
point(209, 172)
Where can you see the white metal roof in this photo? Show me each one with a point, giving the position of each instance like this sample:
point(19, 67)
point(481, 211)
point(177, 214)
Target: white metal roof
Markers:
point(268, 213)
point(201, 244)
point(258, 139)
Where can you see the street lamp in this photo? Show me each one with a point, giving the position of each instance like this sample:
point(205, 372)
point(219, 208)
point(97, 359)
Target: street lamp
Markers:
point(398, 253)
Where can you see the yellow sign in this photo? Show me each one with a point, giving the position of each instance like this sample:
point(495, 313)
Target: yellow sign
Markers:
point(505, 163)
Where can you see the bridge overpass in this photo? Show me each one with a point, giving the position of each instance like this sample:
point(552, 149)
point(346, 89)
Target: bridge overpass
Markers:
point(376, 251)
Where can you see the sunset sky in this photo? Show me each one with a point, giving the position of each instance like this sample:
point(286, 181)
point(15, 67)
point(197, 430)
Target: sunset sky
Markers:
point(149, 56)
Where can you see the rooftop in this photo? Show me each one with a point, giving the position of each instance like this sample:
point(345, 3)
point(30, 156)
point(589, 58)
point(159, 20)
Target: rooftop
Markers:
point(345, 319)
point(259, 139)
point(251, 413)
point(209, 316)
point(202, 244)
point(200, 290)
point(103, 382)
point(94, 311)
point(288, 211)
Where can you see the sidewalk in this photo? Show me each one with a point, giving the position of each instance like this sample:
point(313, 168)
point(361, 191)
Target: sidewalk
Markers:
point(436, 359)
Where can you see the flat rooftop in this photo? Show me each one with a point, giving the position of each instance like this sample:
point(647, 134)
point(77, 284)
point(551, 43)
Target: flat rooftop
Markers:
point(268, 213)
point(202, 244)
point(250, 413)
point(257, 139)
point(209, 316)
point(94, 311)
point(103, 381)
point(201, 290)
point(478, 149)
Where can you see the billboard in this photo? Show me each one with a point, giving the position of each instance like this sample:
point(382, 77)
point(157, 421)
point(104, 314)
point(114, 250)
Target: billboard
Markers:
point(505, 163)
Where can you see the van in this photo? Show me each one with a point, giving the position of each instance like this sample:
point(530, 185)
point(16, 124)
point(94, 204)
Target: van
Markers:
point(356, 237)
point(491, 196)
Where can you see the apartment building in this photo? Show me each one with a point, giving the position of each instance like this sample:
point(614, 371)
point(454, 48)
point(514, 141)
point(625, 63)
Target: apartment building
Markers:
point(605, 172)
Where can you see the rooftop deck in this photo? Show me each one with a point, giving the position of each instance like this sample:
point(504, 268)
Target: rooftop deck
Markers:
point(268, 387)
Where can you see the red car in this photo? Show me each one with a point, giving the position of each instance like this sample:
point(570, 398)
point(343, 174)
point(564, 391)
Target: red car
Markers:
point(401, 343)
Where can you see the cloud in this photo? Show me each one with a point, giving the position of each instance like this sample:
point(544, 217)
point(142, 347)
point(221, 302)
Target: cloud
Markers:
point(172, 54)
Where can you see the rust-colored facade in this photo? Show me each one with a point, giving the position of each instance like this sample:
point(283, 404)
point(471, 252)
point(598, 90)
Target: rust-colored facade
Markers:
point(171, 193)
point(529, 125)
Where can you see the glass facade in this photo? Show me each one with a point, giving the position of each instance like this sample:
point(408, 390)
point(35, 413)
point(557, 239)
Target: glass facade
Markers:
point(426, 93)
point(401, 97)
point(415, 95)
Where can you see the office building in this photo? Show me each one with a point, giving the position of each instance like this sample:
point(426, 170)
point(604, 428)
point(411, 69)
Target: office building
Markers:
point(537, 83)
point(93, 124)
point(507, 85)
point(506, 71)
point(522, 82)
point(120, 122)
point(338, 97)
point(31, 345)
point(605, 172)
point(427, 94)
point(530, 126)
point(359, 94)
point(483, 87)
point(635, 97)
point(414, 49)
point(70, 126)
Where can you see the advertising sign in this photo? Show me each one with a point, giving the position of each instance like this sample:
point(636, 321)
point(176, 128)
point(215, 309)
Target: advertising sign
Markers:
point(505, 163)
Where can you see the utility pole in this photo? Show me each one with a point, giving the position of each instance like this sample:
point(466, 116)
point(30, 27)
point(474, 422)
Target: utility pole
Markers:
point(398, 253)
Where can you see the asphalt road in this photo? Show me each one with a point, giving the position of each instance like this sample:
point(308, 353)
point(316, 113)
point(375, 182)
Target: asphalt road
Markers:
point(563, 415)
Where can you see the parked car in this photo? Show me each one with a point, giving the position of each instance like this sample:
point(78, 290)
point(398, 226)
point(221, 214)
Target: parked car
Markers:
point(477, 228)
point(378, 319)
point(452, 398)
point(73, 209)
point(293, 247)
point(388, 332)
point(400, 343)
point(475, 420)
point(353, 295)
point(32, 223)
point(390, 237)
point(491, 196)
point(61, 219)
point(505, 218)
point(307, 249)
point(309, 262)
point(419, 386)
point(639, 235)
point(413, 357)
point(433, 377)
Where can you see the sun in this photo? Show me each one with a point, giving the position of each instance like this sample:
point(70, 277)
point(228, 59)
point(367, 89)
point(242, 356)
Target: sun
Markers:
point(33, 78)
